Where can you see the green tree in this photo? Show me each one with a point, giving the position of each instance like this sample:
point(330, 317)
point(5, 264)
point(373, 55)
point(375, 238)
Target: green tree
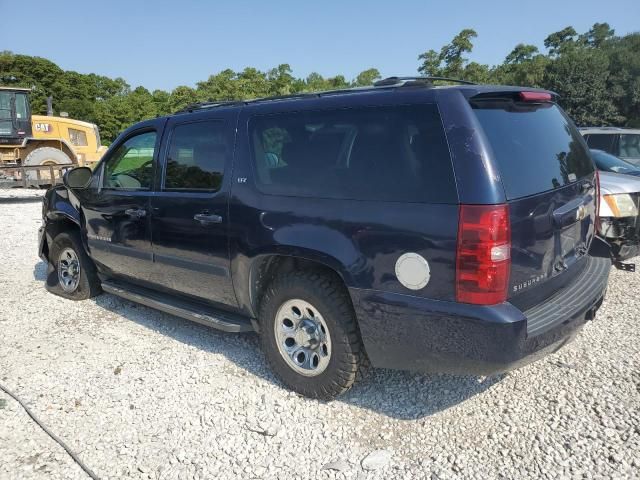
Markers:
point(181, 97)
point(431, 63)
point(141, 102)
point(252, 83)
point(524, 65)
point(580, 76)
point(337, 82)
point(560, 41)
point(521, 53)
point(30, 72)
point(315, 83)
point(624, 80)
point(366, 77)
point(218, 87)
point(161, 101)
point(451, 60)
point(597, 35)
point(281, 81)
point(114, 115)
point(453, 53)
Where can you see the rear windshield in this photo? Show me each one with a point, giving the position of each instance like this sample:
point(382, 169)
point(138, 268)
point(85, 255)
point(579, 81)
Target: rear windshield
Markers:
point(396, 153)
point(536, 147)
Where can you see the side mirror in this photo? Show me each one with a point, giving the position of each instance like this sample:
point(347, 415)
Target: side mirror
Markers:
point(77, 178)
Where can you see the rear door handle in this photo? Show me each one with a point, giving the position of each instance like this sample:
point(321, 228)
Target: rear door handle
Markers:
point(136, 212)
point(207, 219)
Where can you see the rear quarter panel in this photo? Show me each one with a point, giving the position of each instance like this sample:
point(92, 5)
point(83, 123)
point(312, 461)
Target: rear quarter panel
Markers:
point(360, 240)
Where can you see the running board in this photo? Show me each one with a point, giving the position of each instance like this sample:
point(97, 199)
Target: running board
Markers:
point(224, 321)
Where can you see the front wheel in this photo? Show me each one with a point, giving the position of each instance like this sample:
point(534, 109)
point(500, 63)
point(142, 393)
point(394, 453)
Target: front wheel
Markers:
point(310, 336)
point(73, 274)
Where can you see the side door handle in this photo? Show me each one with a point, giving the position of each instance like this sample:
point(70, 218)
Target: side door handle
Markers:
point(207, 219)
point(136, 212)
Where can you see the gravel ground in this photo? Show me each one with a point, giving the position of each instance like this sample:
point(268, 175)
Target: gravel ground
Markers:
point(18, 194)
point(141, 394)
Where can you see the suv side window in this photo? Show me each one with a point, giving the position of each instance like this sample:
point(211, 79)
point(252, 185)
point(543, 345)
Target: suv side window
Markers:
point(601, 142)
point(396, 153)
point(196, 157)
point(131, 165)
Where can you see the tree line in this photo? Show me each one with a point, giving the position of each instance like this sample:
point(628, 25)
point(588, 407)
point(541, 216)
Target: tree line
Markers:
point(596, 74)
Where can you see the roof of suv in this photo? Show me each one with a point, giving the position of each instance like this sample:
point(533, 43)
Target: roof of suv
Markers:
point(382, 87)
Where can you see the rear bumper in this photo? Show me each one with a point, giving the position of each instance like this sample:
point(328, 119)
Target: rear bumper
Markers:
point(412, 333)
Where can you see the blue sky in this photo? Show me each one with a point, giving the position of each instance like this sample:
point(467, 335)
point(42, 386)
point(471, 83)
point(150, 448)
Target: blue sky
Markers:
point(163, 44)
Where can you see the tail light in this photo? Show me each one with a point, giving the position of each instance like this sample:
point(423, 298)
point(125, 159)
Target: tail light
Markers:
point(535, 96)
point(483, 254)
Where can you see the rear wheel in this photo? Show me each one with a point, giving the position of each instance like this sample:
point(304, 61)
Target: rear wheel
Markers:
point(309, 334)
point(73, 274)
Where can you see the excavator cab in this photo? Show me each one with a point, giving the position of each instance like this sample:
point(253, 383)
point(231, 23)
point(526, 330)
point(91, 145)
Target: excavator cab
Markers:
point(15, 115)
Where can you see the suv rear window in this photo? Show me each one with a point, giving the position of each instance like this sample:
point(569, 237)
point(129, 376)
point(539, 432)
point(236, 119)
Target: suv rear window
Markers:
point(536, 147)
point(396, 153)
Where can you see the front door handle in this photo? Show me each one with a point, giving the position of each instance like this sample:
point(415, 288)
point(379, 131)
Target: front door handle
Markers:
point(207, 219)
point(136, 212)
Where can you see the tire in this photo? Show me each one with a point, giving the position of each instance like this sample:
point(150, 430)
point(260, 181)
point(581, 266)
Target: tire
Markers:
point(333, 314)
point(66, 249)
point(45, 156)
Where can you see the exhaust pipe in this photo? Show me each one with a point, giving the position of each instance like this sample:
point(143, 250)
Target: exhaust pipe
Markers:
point(50, 106)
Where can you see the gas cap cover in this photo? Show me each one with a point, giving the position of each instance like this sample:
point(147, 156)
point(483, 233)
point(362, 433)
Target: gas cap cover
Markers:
point(413, 271)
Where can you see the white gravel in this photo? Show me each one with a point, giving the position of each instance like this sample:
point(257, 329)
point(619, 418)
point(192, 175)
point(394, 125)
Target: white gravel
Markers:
point(8, 194)
point(141, 394)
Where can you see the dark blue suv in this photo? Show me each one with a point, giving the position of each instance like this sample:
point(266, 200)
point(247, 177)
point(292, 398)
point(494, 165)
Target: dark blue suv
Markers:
point(443, 229)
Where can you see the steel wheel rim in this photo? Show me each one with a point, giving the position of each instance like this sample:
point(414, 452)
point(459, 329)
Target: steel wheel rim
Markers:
point(302, 337)
point(68, 270)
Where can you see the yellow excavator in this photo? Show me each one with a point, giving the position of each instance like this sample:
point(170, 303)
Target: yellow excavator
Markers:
point(28, 140)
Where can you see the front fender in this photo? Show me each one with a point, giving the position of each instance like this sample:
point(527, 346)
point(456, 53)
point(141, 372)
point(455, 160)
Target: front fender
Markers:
point(58, 206)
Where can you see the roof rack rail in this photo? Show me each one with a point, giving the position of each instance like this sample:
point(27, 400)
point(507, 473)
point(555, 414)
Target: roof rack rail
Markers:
point(203, 105)
point(412, 81)
point(275, 98)
point(323, 93)
point(387, 82)
point(283, 97)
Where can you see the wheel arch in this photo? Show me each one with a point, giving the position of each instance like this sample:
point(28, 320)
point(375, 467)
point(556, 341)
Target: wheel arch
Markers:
point(265, 267)
point(57, 223)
